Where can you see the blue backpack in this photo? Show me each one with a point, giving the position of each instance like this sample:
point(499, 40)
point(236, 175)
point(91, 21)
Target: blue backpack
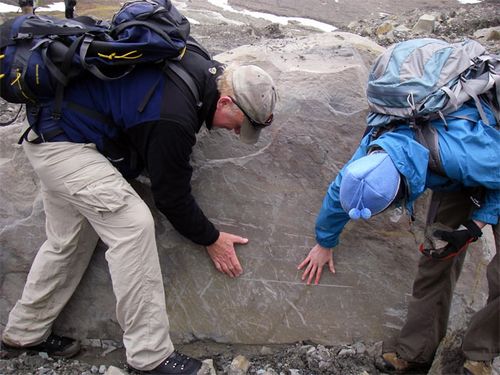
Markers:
point(423, 80)
point(39, 55)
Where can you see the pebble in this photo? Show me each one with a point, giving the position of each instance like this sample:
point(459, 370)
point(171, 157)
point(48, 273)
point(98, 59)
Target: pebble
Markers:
point(239, 365)
point(266, 350)
point(112, 370)
point(207, 368)
point(346, 352)
point(43, 355)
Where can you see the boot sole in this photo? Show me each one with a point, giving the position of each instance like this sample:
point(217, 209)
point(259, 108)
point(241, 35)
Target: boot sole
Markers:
point(420, 370)
point(69, 352)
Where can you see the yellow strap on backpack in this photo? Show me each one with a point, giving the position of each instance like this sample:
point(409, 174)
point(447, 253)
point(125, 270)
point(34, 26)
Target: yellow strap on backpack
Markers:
point(114, 56)
point(18, 76)
point(2, 75)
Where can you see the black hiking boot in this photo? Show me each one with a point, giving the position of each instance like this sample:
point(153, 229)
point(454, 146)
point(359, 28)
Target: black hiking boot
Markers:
point(175, 364)
point(54, 346)
point(391, 363)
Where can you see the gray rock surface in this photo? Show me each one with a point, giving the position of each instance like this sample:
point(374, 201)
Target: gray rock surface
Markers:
point(269, 193)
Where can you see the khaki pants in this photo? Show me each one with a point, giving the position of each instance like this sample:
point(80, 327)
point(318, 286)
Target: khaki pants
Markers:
point(433, 287)
point(81, 189)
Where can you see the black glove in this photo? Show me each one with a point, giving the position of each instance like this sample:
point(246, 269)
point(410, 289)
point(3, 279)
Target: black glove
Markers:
point(458, 240)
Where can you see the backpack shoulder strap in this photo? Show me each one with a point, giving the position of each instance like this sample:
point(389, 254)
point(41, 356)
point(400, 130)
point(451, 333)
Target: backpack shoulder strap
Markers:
point(181, 73)
point(427, 136)
point(180, 77)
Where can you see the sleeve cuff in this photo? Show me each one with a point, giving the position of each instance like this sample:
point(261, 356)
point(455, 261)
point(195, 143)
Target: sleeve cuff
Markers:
point(485, 218)
point(210, 239)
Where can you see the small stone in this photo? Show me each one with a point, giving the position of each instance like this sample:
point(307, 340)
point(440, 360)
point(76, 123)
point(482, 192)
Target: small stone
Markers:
point(43, 355)
point(266, 350)
point(384, 28)
point(304, 349)
point(352, 25)
point(359, 347)
point(112, 370)
point(107, 343)
point(402, 29)
point(425, 24)
point(94, 369)
point(346, 352)
point(496, 366)
point(294, 371)
point(102, 369)
point(375, 350)
point(323, 365)
point(367, 31)
point(494, 35)
point(207, 367)
point(239, 365)
point(94, 343)
point(489, 33)
point(108, 350)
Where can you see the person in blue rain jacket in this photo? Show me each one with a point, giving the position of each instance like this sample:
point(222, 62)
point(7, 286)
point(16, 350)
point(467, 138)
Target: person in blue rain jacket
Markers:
point(393, 170)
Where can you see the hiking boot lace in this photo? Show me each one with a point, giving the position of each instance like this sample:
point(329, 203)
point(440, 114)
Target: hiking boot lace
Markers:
point(54, 341)
point(176, 359)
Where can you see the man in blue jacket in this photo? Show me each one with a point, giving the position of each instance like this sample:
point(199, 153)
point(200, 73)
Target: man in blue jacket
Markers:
point(155, 118)
point(392, 170)
point(27, 7)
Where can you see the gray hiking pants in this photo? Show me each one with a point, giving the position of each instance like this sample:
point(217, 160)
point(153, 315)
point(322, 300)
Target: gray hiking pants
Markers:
point(84, 197)
point(433, 287)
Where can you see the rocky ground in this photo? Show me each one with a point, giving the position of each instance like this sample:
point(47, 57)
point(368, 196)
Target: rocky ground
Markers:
point(304, 358)
point(474, 21)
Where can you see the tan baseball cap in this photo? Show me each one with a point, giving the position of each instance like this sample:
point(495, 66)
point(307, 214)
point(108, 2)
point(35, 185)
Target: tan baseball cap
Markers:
point(256, 96)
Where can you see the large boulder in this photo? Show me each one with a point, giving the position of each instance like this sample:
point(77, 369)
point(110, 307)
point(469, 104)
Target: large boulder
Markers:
point(270, 193)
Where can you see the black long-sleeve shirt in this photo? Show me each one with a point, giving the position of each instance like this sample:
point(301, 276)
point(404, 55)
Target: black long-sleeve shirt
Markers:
point(165, 146)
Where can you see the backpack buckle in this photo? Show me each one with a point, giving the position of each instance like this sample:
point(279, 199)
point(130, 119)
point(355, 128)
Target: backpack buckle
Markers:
point(21, 36)
point(476, 60)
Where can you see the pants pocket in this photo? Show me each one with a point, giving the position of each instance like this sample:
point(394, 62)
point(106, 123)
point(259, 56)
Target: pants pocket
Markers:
point(108, 194)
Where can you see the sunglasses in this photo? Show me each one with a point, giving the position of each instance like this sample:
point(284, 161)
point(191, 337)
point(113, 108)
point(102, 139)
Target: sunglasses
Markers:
point(254, 123)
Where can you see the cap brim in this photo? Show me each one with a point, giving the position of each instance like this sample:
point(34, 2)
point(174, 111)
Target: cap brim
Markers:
point(248, 133)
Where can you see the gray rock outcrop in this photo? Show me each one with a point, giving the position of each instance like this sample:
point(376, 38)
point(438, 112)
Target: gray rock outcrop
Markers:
point(269, 193)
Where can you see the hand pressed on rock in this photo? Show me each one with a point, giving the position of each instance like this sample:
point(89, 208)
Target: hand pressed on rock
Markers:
point(314, 262)
point(223, 254)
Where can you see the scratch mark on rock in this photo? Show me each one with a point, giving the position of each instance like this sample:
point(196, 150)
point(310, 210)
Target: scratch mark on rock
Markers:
point(206, 287)
point(297, 311)
point(296, 283)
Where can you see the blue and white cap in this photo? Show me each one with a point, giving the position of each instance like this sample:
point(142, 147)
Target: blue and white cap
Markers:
point(369, 185)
